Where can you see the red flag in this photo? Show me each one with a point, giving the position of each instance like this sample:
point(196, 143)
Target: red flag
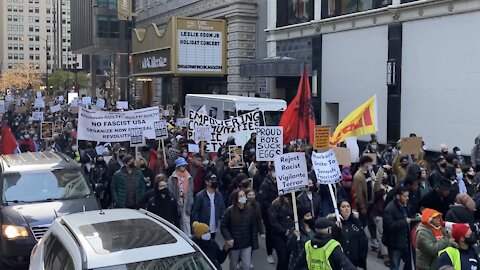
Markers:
point(298, 120)
point(8, 143)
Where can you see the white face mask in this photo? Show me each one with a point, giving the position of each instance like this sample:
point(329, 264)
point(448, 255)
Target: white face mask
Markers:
point(274, 175)
point(458, 153)
point(205, 162)
point(242, 200)
point(424, 147)
point(207, 236)
point(75, 148)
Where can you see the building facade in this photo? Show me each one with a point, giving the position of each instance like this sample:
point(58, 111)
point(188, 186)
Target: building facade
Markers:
point(36, 33)
point(417, 57)
point(245, 40)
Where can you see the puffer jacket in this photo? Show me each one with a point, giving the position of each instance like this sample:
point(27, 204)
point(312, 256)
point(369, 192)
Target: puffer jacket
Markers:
point(119, 187)
point(241, 226)
point(281, 218)
point(266, 195)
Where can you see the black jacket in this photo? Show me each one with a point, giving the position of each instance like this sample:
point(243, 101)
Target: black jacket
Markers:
point(304, 201)
point(434, 201)
point(396, 230)
point(213, 251)
point(460, 214)
point(165, 208)
point(353, 240)
point(241, 226)
point(281, 218)
point(338, 259)
point(266, 195)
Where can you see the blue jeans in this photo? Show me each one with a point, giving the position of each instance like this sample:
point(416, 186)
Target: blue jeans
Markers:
point(398, 254)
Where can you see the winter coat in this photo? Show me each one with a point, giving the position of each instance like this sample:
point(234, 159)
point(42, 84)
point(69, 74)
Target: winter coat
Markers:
point(266, 195)
point(175, 191)
point(303, 200)
point(201, 208)
point(240, 225)
point(460, 214)
point(213, 251)
point(281, 218)
point(396, 230)
point(434, 201)
point(149, 177)
point(428, 247)
point(119, 187)
point(424, 188)
point(296, 246)
point(165, 208)
point(258, 215)
point(353, 240)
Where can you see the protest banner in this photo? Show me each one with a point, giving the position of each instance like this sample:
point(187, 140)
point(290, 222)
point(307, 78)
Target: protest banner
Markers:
point(326, 167)
point(203, 133)
point(87, 100)
point(102, 126)
point(291, 172)
point(235, 154)
point(136, 137)
point(55, 108)
point(122, 105)
point(46, 130)
point(101, 149)
point(100, 103)
point(8, 98)
point(39, 103)
point(2, 106)
point(322, 136)
point(411, 145)
point(193, 148)
point(182, 122)
point(166, 113)
point(240, 128)
point(39, 94)
point(269, 143)
point(37, 116)
point(161, 131)
point(342, 155)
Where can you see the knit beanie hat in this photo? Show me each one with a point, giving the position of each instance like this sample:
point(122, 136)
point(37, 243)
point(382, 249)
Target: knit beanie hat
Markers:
point(200, 229)
point(459, 230)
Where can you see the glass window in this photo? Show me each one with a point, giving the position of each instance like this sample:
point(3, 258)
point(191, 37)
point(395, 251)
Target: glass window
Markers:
point(21, 56)
point(333, 8)
point(48, 10)
point(37, 10)
point(107, 27)
point(44, 185)
point(10, 55)
point(56, 255)
point(15, 27)
point(37, 19)
point(20, 28)
point(294, 11)
point(110, 4)
point(20, 9)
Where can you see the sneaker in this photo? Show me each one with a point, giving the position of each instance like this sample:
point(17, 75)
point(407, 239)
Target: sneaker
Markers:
point(270, 259)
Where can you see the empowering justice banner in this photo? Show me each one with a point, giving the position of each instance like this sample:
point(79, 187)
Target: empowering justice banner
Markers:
point(102, 126)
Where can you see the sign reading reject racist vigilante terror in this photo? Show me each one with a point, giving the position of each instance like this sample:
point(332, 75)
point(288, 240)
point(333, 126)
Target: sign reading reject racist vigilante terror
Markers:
point(291, 172)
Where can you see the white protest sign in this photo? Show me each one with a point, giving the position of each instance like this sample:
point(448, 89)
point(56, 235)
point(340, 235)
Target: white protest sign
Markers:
point(74, 102)
point(291, 172)
point(203, 133)
point(136, 137)
point(39, 94)
point(55, 108)
point(100, 103)
point(182, 122)
point(122, 105)
point(39, 103)
point(240, 127)
point(8, 98)
point(161, 131)
point(352, 144)
point(326, 167)
point(61, 98)
point(166, 112)
point(269, 143)
point(37, 116)
point(102, 126)
point(87, 100)
point(71, 97)
point(101, 149)
point(2, 106)
point(18, 102)
point(193, 148)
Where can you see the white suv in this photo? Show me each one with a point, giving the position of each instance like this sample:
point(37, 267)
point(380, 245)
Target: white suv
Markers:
point(114, 239)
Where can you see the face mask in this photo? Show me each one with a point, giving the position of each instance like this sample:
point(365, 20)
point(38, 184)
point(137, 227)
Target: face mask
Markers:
point(424, 148)
point(205, 163)
point(206, 237)
point(143, 166)
point(242, 200)
point(459, 176)
point(374, 147)
point(370, 167)
point(443, 165)
point(458, 153)
point(472, 240)
point(214, 184)
point(163, 190)
point(75, 148)
point(185, 155)
point(311, 188)
point(121, 156)
point(27, 136)
point(131, 165)
point(309, 222)
point(274, 175)
point(471, 175)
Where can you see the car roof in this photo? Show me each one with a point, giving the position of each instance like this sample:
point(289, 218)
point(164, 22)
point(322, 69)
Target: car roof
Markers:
point(94, 260)
point(37, 161)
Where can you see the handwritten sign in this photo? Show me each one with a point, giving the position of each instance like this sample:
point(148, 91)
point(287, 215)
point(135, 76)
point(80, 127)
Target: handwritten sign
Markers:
point(269, 143)
point(161, 131)
point(291, 172)
point(322, 136)
point(326, 167)
point(203, 133)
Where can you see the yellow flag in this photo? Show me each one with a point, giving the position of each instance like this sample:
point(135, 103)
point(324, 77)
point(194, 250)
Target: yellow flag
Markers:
point(362, 121)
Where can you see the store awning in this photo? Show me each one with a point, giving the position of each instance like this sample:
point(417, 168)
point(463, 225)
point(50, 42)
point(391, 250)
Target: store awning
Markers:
point(273, 67)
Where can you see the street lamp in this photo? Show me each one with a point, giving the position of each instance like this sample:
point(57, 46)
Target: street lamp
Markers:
point(47, 53)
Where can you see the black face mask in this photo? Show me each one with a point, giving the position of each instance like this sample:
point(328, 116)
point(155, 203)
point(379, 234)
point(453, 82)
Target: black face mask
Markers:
point(162, 191)
point(214, 184)
point(472, 240)
point(309, 222)
point(444, 165)
point(143, 166)
point(131, 165)
point(121, 156)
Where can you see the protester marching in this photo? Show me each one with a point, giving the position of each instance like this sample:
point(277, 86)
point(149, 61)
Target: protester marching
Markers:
point(308, 192)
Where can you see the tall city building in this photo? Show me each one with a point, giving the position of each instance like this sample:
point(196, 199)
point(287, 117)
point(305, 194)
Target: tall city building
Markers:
point(36, 33)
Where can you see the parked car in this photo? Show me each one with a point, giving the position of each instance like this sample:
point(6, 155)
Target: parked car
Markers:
point(36, 188)
point(116, 239)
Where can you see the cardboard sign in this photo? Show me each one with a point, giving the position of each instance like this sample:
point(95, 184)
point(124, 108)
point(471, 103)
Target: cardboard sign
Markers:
point(373, 156)
point(55, 108)
point(411, 145)
point(136, 137)
point(46, 130)
point(291, 173)
point(87, 100)
point(39, 103)
point(166, 113)
point(269, 143)
point(182, 122)
point(322, 137)
point(100, 103)
point(8, 98)
point(193, 148)
point(21, 110)
point(342, 155)
point(161, 131)
point(236, 156)
point(71, 97)
point(173, 154)
point(326, 167)
point(122, 105)
point(37, 116)
point(203, 133)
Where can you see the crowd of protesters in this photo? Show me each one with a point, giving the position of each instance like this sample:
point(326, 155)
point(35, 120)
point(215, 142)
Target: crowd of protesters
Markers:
point(403, 207)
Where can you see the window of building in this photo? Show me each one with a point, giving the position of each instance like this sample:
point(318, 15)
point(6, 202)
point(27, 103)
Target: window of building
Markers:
point(10, 56)
point(31, 47)
point(332, 8)
point(48, 19)
point(37, 29)
point(49, 29)
point(21, 56)
point(20, 47)
point(30, 28)
point(15, 28)
point(30, 9)
point(37, 47)
point(10, 37)
point(9, 66)
point(9, 46)
point(15, 47)
point(48, 10)
point(20, 9)
point(9, 18)
point(294, 11)
point(9, 8)
point(37, 19)
point(20, 28)
point(37, 10)
point(37, 38)
point(37, 56)
point(49, 2)
point(107, 27)
point(15, 56)
point(15, 8)
point(110, 4)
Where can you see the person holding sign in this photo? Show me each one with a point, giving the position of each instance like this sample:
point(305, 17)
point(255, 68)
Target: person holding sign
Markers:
point(282, 222)
point(296, 243)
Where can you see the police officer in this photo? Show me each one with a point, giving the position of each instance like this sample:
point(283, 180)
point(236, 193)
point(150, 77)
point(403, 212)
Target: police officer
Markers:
point(323, 252)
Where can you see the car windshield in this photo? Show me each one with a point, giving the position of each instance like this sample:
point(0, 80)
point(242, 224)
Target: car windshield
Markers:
point(192, 261)
point(44, 186)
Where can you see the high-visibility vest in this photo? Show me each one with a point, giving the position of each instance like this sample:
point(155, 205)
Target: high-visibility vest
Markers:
point(77, 156)
point(454, 255)
point(317, 258)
